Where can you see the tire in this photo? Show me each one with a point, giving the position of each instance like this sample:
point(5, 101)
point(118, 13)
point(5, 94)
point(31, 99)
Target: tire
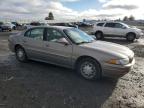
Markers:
point(21, 54)
point(89, 69)
point(130, 37)
point(14, 28)
point(99, 35)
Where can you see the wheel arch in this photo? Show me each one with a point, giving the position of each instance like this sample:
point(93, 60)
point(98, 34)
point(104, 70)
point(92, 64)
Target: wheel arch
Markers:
point(16, 46)
point(130, 33)
point(85, 56)
point(98, 31)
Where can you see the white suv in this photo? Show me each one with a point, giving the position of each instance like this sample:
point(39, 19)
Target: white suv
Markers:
point(116, 29)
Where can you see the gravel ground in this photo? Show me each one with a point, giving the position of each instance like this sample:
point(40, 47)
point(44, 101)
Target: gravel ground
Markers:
point(40, 85)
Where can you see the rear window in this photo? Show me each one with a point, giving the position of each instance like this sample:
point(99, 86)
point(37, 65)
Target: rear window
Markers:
point(100, 24)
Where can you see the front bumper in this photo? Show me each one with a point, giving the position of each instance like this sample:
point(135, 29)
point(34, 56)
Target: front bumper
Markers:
point(139, 35)
point(117, 70)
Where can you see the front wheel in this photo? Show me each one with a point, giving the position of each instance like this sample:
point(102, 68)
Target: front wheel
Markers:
point(20, 54)
point(130, 37)
point(89, 69)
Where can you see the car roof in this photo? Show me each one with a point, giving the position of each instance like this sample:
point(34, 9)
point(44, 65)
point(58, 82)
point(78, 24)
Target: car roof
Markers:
point(108, 22)
point(57, 27)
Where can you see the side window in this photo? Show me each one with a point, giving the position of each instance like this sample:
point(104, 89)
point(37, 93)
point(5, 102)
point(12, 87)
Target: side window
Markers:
point(118, 25)
point(53, 35)
point(100, 24)
point(112, 25)
point(36, 33)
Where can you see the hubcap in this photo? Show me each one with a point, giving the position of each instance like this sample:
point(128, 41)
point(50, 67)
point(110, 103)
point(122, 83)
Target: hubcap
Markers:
point(98, 35)
point(131, 37)
point(20, 53)
point(88, 70)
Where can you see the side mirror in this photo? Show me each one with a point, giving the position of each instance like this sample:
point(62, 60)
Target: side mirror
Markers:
point(63, 41)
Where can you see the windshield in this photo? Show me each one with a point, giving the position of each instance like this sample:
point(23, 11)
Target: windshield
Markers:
point(78, 36)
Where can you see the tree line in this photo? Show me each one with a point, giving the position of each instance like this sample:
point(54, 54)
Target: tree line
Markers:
point(130, 18)
point(126, 18)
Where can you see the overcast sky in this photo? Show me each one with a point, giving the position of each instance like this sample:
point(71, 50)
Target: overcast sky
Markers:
point(72, 9)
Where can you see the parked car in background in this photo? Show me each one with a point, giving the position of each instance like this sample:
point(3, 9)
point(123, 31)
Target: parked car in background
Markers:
point(34, 24)
point(65, 24)
point(17, 25)
point(84, 24)
point(72, 48)
point(44, 24)
point(7, 27)
point(116, 29)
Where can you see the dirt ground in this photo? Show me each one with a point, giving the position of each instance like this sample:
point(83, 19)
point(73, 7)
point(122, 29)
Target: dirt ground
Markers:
point(41, 85)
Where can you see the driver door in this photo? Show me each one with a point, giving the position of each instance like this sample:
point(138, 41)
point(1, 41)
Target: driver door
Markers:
point(56, 51)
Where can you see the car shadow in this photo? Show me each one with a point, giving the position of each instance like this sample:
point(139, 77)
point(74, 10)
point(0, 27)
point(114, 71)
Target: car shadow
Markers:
point(44, 85)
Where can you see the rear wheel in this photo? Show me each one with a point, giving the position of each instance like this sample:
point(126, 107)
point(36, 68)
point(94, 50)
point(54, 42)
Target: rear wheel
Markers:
point(89, 69)
point(130, 37)
point(99, 35)
point(20, 54)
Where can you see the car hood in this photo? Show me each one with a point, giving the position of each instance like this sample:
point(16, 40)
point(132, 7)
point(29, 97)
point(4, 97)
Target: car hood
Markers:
point(111, 48)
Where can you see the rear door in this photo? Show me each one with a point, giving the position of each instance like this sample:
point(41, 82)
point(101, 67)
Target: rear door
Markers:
point(57, 52)
point(33, 42)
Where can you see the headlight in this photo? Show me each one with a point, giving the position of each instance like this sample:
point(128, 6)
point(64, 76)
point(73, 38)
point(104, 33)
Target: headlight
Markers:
point(119, 62)
point(124, 61)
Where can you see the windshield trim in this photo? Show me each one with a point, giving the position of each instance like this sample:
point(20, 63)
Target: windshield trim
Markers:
point(68, 36)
